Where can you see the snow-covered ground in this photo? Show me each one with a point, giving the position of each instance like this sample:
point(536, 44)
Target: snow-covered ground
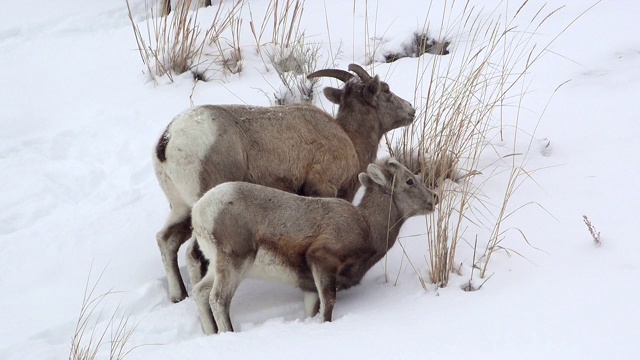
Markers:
point(79, 119)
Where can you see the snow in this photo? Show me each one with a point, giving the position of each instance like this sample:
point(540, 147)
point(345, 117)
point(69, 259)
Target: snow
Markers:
point(79, 120)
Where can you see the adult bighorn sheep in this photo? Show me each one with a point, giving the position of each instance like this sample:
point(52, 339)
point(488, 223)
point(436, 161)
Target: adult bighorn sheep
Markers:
point(317, 244)
point(299, 149)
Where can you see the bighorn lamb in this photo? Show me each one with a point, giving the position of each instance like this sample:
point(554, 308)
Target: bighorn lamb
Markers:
point(317, 244)
point(299, 149)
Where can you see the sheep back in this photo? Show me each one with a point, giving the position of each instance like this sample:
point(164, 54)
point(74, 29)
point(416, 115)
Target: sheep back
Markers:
point(291, 148)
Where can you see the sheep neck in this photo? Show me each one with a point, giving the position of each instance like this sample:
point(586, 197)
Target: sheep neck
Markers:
point(384, 219)
point(364, 132)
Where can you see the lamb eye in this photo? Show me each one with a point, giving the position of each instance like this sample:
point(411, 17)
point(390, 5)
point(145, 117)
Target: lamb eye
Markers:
point(410, 182)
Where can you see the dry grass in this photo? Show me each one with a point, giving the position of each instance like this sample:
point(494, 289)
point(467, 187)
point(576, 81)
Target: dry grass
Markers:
point(281, 20)
point(279, 26)
point(230, 56)
point(88, 339)
point(283, 47)
point(462, 101)
point(293, 64)
point(595, 234)
point(177, 43)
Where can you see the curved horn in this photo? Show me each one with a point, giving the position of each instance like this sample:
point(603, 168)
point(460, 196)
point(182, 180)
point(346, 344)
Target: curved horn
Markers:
point(362, 73)
point(341, 75)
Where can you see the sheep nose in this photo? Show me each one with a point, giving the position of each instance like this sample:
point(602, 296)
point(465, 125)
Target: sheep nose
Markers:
point(436, 199)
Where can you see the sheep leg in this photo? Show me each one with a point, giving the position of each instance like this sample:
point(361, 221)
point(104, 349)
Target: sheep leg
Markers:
point(176, 231)
point(197, 264)
point(311, 303)
point(201, 293)
point(326, 284)
point(229, 274)
point(324, 265)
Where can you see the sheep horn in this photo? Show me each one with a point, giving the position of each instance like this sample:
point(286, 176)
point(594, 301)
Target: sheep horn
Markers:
point(362, 73)
point(341, 75)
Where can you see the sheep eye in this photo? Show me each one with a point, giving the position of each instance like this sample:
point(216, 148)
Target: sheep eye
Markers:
point(410, 182)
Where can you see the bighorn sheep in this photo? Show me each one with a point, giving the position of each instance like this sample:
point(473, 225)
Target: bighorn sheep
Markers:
point(299, 149)
point(317, 244)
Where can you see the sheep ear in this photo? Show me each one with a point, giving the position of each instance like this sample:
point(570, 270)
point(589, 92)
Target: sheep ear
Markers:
point(372, 89)
point(365, 180)
point(393, 165)
point(377, 175)
point(332, 94)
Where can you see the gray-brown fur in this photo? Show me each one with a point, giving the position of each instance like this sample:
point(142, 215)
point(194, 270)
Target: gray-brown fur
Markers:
point(319, 245)
point(299, 149)
point(297, 141)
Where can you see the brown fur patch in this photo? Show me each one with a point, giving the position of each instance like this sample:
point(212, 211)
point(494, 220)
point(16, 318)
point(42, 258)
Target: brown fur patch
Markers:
point(291, 251)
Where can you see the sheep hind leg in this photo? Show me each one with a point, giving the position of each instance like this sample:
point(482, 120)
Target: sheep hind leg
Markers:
point(197, 263)
point(176, 232)
point(201, 293)
point(230, 273)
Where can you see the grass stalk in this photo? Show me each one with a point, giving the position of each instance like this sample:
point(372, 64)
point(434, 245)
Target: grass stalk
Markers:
point(87, 341)
point(462, 102)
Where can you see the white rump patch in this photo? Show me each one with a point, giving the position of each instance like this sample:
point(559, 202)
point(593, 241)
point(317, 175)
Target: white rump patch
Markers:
point(205, 211)
point(192, 134)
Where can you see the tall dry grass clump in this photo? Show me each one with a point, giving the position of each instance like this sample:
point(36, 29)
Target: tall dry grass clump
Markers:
point(280, 23)
point(205, 43)
point(179, 42)
point(282, 45)
point(463, 101)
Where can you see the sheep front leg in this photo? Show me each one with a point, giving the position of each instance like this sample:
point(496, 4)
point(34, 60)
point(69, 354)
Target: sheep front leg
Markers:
point(324, 265)
point(326, 284)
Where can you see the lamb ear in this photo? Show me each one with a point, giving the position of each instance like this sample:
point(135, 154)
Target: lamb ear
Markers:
point(371, 90)
point(365, 180)
point(377, 174)
point(332, 94)
point(394, 165)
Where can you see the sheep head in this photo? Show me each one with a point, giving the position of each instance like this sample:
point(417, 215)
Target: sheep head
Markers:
point(409, 194)
point(367, 96)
